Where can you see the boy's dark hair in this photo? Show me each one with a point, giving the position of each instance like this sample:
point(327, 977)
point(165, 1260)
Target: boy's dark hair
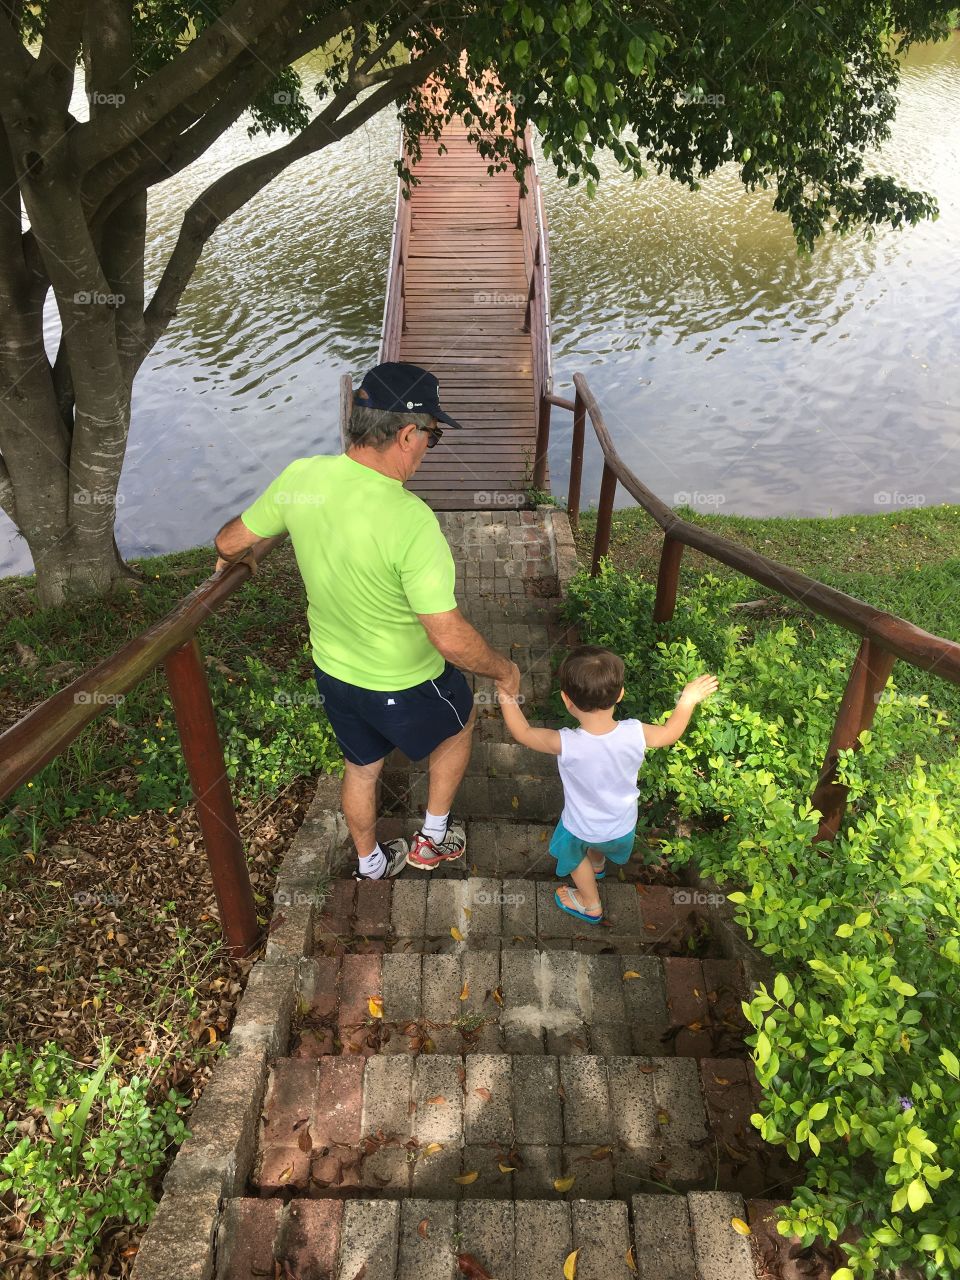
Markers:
point(591, 677)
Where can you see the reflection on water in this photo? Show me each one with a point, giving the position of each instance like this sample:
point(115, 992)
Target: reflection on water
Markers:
point(729, 369)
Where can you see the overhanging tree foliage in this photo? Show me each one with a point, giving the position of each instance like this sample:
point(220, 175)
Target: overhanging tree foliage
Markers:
point(796, 95)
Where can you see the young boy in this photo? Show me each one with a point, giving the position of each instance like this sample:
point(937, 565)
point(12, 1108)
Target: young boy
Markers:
point(598, 766)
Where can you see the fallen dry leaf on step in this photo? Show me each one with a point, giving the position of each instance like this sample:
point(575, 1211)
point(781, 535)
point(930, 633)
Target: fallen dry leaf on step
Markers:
point(570, 1266)
point(465, 991)
point(740, 1226)
point(564, 1184)
point(432, 1148)
point(506, 1168)
point(630, 1260)
point(631, 973)
point(423, 1228)
point(438, 1101)
point(375, 1005)
point(471, 1268)
point(483, 1092)
point(466, 1178)
point(498, 995)
point(455, 933)
point(304, 1141)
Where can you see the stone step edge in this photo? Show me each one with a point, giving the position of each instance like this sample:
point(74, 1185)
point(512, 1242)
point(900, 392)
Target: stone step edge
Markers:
point(405, 1125)
point(465, 1001)
point(651, 1236)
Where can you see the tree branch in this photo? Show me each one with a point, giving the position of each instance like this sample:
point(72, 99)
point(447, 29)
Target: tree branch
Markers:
point(216, 49)
point(185, 134)
point(57, 61)
point(7, 499)
point(234, 189)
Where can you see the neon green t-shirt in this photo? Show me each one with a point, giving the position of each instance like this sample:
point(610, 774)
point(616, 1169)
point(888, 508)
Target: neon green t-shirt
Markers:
point(372, 556)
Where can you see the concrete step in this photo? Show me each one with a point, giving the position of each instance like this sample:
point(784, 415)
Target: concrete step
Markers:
point(510, 1126)
point(653, 1237)
point(426, 911)
point(521, 1000)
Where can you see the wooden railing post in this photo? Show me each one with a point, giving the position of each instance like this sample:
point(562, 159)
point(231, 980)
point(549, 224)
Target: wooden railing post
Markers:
point(576, 462)
point(193, 707)
point(668, 578)
point(542, 449)
point(858, 706)
point(601, 540)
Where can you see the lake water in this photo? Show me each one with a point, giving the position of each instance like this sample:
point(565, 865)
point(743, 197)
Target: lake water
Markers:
point(733, 374)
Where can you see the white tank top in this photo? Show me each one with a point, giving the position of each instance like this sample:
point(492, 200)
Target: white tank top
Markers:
point(599, 775)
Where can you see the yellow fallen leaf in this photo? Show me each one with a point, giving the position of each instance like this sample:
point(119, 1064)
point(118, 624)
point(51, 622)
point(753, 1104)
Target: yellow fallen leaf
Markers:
point(564, 1184)
point(515, 802)
point(427, 1046)
point(466, 1178)
point(663, 1117)
point(438, 1101)
point(432, 1148)
point(468, 912)
point(42, 968)
point(631, 973)
point(212, 1034)
point(570, 1266)
point(456, 934)
point(498, 995)
point(30, 856)
point(465, 991)
point(423, 1228)
point(630, 1260)
point(740, 1226)
point(285, 1174)
point(375, 1005)
point(506, 1168)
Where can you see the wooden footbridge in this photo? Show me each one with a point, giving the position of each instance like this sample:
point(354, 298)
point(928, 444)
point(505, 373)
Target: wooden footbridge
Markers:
point(468, 297)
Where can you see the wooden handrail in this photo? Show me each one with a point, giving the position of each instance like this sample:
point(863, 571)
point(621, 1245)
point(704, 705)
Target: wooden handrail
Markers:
point(45, 731)
point(884, 636)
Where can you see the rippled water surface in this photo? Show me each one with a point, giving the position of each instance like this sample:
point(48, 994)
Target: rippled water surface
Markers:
point(732, 373)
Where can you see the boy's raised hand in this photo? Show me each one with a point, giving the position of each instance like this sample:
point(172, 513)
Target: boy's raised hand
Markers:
point(698, 690)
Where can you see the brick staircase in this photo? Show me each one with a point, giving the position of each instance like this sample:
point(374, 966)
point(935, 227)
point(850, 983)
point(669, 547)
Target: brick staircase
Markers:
point(471, 1082)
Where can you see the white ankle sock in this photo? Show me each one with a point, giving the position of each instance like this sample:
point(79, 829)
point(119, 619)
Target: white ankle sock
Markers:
point(374, 864)
point(435, 825)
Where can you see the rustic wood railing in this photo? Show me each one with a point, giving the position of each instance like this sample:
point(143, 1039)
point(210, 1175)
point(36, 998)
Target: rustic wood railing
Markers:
point(884, 637)
point(172, 642)
point(532, 219)
point(392, 328)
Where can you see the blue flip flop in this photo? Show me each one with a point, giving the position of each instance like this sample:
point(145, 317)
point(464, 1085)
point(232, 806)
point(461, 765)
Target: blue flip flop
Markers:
point(577, 915)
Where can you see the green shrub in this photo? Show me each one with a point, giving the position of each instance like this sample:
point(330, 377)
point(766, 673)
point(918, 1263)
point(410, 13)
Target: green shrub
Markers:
point(856, 1044)
point(89, 1166)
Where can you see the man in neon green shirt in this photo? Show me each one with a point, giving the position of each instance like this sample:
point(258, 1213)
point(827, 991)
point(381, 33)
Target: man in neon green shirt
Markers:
point(386, 634)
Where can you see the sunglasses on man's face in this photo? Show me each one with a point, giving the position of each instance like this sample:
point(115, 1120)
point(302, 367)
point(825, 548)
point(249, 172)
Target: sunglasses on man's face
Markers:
point(435, 433)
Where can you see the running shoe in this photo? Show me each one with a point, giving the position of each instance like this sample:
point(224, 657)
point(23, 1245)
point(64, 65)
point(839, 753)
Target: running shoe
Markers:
point(427, 854)
point(396, 853)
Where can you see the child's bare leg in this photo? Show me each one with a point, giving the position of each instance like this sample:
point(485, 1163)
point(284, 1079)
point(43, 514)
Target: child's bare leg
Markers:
point(586, 884)
point(597, 860)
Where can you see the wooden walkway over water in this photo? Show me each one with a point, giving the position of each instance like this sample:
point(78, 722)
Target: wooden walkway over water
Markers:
point(468, 299)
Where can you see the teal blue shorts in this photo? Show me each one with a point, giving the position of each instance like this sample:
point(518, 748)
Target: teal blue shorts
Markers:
point(569, 850)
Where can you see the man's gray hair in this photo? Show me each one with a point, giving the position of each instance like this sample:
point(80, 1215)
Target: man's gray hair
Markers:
point(378, 427)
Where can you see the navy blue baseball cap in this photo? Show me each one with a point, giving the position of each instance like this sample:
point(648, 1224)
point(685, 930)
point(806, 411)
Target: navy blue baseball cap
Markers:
point(397, 387)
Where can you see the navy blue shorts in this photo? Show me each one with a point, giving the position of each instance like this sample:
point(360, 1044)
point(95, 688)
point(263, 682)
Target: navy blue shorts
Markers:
point(369, 723)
